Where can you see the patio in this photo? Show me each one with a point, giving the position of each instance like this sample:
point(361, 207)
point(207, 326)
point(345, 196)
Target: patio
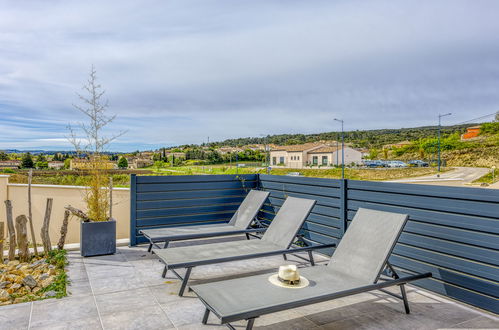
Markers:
point(126, 291)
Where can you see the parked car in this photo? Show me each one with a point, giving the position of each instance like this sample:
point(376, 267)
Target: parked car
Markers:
point(396, 163)
point(374, 163)
point(418, 163)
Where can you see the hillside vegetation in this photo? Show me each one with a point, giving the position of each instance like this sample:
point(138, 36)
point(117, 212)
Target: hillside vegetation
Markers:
point(482, 151)
point(361, 139)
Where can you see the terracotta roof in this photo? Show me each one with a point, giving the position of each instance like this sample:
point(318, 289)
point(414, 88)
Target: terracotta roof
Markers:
point(325, 149)
point(298, 147)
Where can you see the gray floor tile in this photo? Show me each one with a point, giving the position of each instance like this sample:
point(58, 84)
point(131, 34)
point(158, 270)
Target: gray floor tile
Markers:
point(480, 322)
point(92, 323)
point(115, 283)
point(52, 311)
point(124, 300)
point(187, 311)
point(15, 316)
point(146, 318)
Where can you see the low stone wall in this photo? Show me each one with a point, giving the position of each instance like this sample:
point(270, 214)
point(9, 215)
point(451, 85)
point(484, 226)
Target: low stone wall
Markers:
point(62, 195)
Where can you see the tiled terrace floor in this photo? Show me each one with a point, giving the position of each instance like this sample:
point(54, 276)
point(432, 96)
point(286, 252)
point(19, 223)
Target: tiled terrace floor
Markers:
point(126, 291)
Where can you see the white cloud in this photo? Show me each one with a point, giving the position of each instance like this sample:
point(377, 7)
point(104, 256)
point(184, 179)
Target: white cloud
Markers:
point(179, 71)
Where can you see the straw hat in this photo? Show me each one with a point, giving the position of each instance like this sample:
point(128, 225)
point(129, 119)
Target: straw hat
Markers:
point(288, 277)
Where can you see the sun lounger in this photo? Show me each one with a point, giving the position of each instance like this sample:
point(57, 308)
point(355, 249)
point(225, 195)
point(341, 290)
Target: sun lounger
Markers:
point(277, 240)
point(239, 224)
point(355, 267)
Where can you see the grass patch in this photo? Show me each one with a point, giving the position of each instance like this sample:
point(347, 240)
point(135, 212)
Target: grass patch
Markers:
point(489, 178)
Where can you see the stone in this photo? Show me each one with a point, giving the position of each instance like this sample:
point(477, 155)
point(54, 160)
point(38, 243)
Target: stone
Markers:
point(44, 276)
point(52, 271)
point(18, 300)
point(38, 263)
point(45, 283)
point(4, 295)
point(50, 293)
point(13, 263)
point(4, 284)
point(36, 289)
point(13, 288)
point(29, 281)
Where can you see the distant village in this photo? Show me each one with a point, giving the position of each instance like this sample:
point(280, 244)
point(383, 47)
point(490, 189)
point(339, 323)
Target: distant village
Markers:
point(321, 154)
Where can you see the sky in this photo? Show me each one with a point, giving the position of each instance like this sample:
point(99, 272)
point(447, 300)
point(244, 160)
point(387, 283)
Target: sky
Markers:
point(177, 72)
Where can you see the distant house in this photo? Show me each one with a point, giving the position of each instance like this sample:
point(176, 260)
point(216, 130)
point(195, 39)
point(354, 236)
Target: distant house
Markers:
point(397, 145)
point(228, 150)
point(471, 132)
point(56, 165)
point(85, 164)
point(312, 154)
point(12, 164)
point(134, 163)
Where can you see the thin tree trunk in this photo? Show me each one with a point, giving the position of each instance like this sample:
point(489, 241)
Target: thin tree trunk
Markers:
point(30, 213)
point(110, 197)
point(22, 238)
point(64, 230)
point(12, 232)
point(45, 227)
point(2, 233)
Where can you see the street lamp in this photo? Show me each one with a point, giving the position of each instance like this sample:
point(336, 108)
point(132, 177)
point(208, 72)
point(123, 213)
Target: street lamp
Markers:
point(439, 126)
point(342, 149)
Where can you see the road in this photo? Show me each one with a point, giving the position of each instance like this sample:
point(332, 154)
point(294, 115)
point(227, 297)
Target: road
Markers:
point(459, 176)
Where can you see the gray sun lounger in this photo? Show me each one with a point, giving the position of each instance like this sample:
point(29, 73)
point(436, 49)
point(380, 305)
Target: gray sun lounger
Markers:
point(277, 240)
point(355, 267)
point(239, 224)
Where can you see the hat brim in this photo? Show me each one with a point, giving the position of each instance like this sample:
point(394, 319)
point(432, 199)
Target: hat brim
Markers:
point(275, 281)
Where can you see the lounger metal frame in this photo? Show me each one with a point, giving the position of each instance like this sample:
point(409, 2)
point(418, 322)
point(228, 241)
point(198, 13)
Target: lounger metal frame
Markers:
point(250, 317)
point(256, 225)
point(190, 265)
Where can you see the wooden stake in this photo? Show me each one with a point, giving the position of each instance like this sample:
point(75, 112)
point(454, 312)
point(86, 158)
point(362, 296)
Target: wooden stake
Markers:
point(110, 197)
point(30, 213)
point(1, 241)
point(45, 227)
point(64, 230)
point(22, 238)
point(12, 232)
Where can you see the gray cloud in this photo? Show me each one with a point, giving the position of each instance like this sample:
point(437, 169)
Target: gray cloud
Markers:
point(179, 71)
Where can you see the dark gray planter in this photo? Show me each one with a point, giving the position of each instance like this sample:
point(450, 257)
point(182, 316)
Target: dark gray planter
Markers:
point(98, 238)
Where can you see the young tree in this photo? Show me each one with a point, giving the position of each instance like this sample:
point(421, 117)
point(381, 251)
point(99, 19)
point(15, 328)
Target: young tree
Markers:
point(4, 156)
point(27, 161)
point(123, 163)
point(93, 143)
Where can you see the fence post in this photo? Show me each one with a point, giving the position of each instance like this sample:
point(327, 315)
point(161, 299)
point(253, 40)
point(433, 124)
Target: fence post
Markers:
point(343, 205)
point(133, 207)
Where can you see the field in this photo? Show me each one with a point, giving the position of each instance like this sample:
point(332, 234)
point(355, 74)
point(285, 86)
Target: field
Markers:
point(122, 178)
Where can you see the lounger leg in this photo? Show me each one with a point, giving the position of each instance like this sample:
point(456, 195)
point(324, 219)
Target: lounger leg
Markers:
point(149, 249)
point(404, 296)
point(184, 281)
point(247, 236)
point(250, 323)
point(166, 244)
point(164, 271)
point(311, 257)
point(284, 257)
point(205, 316)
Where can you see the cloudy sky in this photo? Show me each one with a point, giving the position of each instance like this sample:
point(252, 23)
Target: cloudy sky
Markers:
point(179, 71)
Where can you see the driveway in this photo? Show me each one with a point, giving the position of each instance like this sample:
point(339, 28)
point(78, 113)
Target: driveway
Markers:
point(456, 177)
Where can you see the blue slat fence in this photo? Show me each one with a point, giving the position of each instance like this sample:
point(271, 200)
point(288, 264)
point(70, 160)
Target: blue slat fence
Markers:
point(164, 201)
point(452, 232)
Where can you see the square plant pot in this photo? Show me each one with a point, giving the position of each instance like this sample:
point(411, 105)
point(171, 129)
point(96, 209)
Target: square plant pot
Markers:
point(98, 238)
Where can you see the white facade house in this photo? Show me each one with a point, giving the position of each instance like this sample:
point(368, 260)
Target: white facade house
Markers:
point(314, 155)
